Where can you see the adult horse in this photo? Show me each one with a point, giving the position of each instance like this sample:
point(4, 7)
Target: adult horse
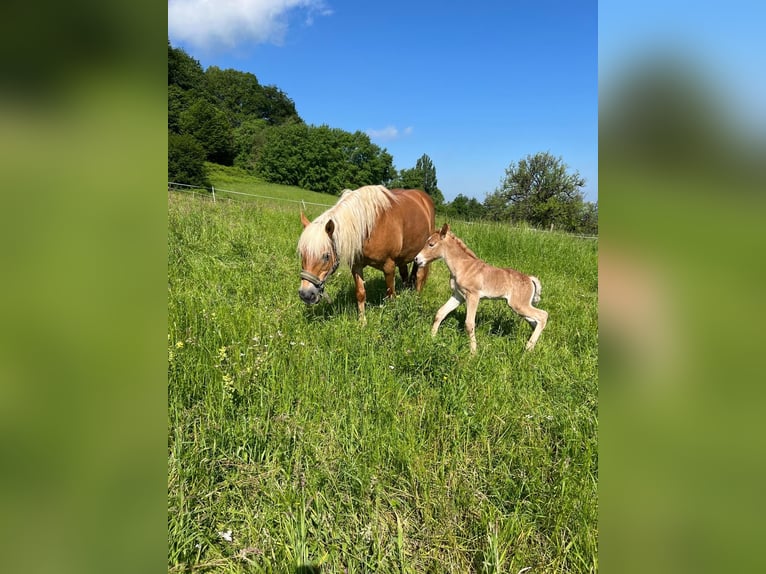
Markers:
point(370, 226)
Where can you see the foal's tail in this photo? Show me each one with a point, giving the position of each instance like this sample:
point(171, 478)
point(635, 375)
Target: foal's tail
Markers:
point(538, 289)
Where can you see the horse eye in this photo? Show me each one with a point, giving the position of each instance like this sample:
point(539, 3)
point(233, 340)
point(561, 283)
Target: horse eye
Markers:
point(326, 257)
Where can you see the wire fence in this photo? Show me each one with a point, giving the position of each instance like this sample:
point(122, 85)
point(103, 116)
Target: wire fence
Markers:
point(210, 194)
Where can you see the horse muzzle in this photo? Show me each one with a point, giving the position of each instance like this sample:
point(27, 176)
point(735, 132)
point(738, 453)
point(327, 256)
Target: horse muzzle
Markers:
point(310, 295)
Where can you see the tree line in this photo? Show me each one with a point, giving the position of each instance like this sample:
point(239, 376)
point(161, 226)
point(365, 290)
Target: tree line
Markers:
point(227, 117)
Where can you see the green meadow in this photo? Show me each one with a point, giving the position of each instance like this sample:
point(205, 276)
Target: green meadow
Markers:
point(301, 441)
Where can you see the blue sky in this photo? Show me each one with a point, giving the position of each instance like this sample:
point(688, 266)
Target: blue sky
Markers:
point(475, 85)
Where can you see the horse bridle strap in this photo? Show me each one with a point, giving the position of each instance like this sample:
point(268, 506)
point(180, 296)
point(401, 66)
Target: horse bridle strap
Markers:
point(316, 281)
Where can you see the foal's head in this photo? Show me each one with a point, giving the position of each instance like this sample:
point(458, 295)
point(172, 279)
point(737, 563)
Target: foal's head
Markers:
point(434, 247)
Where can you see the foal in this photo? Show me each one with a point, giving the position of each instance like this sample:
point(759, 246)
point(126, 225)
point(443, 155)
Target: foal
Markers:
point(472, 279)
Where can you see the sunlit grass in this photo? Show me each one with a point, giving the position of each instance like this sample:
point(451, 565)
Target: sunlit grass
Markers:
point(238, 180)
point(324, 445)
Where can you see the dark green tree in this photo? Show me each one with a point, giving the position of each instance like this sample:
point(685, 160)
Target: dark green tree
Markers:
point(425, 166)
point(241, 97)
point(540, 191)
point(465, 208)
point(237, 94)
point(321, 158)
point(276, 108)
point(226, 111)
point(249, 137)
point(183, 70)
point(281, 157)
point(406, 179)
point(186, 160)
point(211, 128)
point(422, 176)
point(178, 101)
point(589, 219)
point(366, 163)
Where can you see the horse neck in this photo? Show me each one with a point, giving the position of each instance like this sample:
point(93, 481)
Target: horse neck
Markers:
point(354, 216)
point(457, 254)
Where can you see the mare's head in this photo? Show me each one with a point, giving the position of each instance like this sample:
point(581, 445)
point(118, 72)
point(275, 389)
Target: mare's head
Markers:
point(319, 258)
point(434, 247)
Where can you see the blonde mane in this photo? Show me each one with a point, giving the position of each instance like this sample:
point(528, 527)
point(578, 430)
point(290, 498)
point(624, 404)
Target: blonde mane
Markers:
point(354, 216)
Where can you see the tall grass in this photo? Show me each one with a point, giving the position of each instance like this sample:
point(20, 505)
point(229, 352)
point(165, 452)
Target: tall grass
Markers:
point(324, 445)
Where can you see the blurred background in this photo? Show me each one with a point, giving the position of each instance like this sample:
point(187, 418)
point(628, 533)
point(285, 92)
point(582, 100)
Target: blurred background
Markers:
point(83, 148)
point(682, 150)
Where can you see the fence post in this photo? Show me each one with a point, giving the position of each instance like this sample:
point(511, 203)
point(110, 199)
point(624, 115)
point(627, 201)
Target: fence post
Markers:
point(213, 188)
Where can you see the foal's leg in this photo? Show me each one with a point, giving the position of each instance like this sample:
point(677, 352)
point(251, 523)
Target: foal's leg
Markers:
point(451, 304)
point(534, 316)
point(472, 303)
point(361, 294)
point(542, 320)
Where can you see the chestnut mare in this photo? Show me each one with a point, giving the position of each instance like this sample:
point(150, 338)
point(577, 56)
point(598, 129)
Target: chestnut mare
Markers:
point(370, 226)
point(472, 279)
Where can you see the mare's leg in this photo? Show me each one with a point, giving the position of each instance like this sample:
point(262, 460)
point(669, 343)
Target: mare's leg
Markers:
point(451, 304)
point(406, 279)
point(389, 267)
point(472, 303)
point(421, 275)
point(361, 294)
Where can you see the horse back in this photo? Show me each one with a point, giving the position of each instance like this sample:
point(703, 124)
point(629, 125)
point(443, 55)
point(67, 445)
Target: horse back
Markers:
point(402, 230)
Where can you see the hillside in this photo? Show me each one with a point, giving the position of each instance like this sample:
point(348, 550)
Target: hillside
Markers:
point(300, 440)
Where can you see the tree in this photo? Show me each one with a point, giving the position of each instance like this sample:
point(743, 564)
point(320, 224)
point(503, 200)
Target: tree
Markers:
point(538, 190)
point(226, 111)
point(321, 158)
point(211, 128)
point(465, 208)
point(178, 101)
point(589, 219)
point(183, 70)
point(249, 137)
point(186, 160)
point(276, 108)
point(241, 97)
point(237, 94)
point(422, 176)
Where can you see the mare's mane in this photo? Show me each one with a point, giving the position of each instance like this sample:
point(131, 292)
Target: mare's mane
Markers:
point(354, 217)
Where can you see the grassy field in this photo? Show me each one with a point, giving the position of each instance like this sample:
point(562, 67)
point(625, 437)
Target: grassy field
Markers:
point(300, 441)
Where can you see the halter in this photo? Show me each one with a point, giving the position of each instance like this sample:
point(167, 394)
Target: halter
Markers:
point(316, 281)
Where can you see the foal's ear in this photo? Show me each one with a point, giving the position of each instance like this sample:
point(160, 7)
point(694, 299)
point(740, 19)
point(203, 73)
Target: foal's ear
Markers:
point(330, 227)
point(304, 221)
point(444, 229)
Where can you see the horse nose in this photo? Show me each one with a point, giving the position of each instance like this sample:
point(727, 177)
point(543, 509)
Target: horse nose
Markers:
point(308, 295)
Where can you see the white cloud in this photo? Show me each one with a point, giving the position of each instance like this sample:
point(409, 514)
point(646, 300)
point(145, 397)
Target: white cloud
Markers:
point(216, 23)
point(389, 133)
